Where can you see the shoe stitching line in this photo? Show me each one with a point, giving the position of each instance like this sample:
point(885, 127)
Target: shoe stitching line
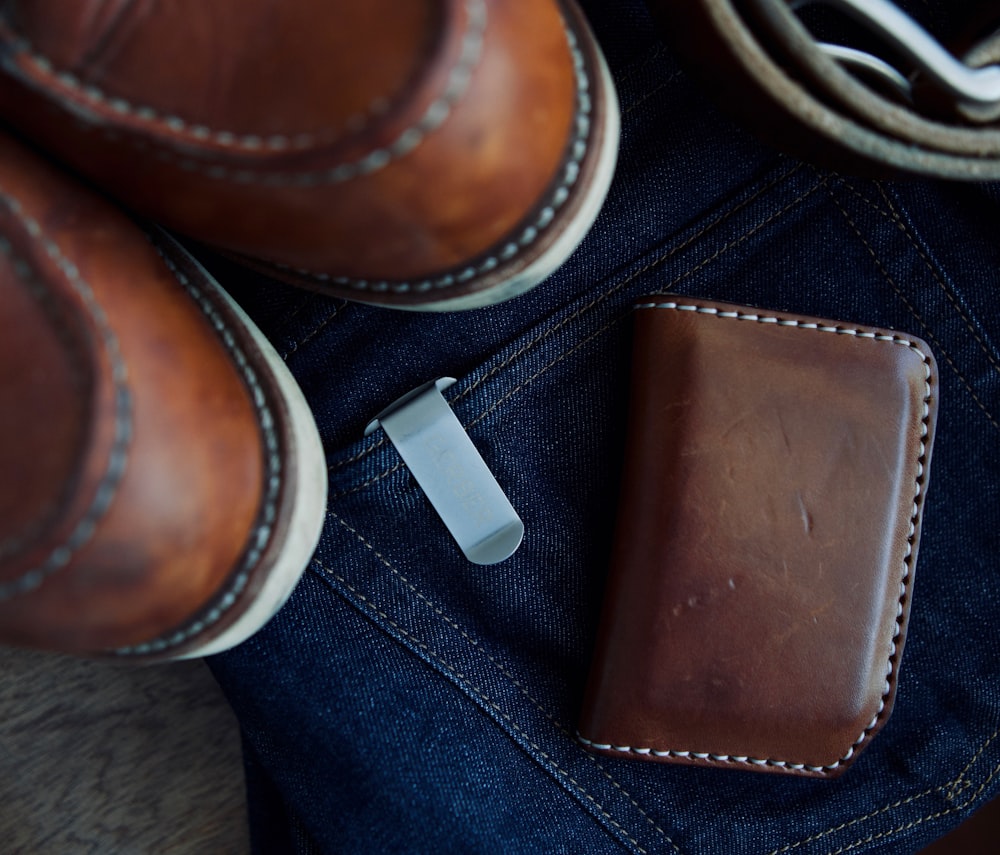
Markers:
point(434, 116)
point(514, 246)
point(555, 327)
point(928, 332)
point(906, 572)
point(260, 537)
point(893, 215)
point(75, 351)
point(569, 351)
point(475, 643)
point(117, 461)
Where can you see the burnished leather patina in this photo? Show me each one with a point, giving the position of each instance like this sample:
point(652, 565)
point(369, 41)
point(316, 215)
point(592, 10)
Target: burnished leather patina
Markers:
point(767, 539)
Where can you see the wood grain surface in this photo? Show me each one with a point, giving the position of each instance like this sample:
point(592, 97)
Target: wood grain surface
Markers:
point(119, 760)
point(100, 757)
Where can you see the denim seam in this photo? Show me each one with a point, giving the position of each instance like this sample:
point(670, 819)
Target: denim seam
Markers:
point(615, 320)
point(385, 473)
point(893, 215)
point(913, 311)
point(457, 84)
point(618, 318)
point(961, 784)
point(658, 51)
point(861, 197)
point(304, 299)
point(361, 454)
point(463, 681)
point(655, 825)
point(897, 218)
point(949, 791)
point(493, 661)
point(871, 838)
point(788, 847)
point(556, 326)
point(315, 331)
point(672, 78)
point(85, 527)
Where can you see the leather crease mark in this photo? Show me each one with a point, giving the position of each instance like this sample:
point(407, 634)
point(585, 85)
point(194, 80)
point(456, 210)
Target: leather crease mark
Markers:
point(463, 680)
point(927, 331)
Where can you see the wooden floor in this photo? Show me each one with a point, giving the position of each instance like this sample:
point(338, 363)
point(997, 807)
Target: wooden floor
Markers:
point(102, 758)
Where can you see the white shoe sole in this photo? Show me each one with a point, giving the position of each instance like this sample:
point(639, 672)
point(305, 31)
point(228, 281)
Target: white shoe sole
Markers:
point(308, 506)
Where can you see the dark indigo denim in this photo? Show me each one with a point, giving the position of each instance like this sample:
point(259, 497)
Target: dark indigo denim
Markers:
point(407, 701)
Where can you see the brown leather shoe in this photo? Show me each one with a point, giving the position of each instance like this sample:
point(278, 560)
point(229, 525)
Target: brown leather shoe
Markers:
point(431, 154)
point(162, 483)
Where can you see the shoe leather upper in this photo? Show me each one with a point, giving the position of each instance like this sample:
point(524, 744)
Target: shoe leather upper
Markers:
point(362, 140)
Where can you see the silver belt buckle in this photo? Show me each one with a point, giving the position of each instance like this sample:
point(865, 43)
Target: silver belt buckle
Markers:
point(931, 61)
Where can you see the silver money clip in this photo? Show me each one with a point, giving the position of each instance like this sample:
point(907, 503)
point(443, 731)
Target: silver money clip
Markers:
point(451, 472)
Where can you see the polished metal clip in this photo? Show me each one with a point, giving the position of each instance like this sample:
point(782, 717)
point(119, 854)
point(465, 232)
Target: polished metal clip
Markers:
point(451, 472)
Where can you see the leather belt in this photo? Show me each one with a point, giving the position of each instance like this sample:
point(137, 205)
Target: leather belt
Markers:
point(896, 100)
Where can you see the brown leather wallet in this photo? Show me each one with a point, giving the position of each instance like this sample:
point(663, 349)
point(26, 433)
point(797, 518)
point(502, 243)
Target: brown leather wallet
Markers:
point(767, 535)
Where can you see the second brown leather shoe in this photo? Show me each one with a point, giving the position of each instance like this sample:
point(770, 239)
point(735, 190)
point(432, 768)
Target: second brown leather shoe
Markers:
point(431, 154)
point(162, 484)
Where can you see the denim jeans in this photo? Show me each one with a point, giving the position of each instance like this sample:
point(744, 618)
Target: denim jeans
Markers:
point(405, 700)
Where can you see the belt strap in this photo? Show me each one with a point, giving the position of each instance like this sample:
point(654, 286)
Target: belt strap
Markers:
point(896, 101)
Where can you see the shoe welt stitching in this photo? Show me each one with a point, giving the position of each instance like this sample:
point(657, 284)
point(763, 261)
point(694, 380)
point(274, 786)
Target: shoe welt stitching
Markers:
point(433, 117)
point(728, 759)
point(260, 537)
point(528, 236)
point(60, 556)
